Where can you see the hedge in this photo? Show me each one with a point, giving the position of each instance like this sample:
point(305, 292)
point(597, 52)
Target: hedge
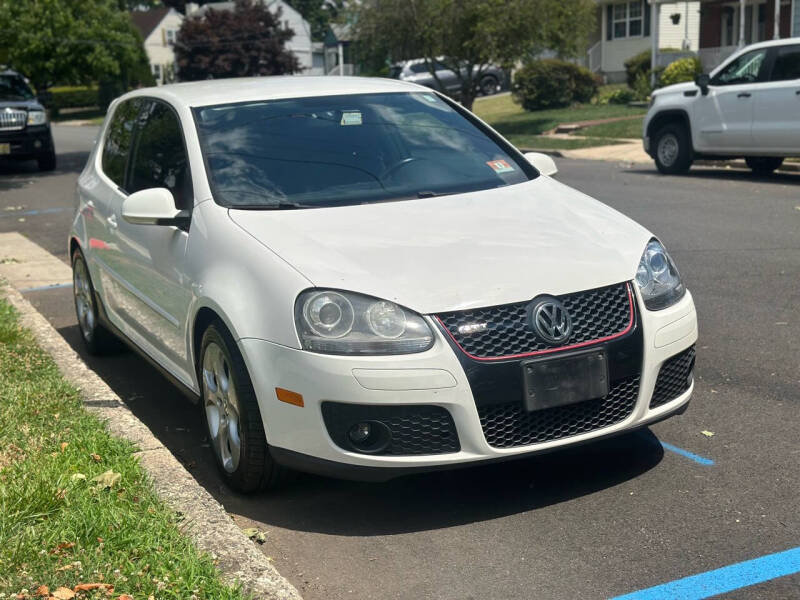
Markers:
point(684, 69)
point(71, 97)
point(551, 83)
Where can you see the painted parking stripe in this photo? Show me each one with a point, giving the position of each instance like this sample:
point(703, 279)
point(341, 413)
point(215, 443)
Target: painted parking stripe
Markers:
point(723, 580)
point(41, 288)
point(701, 460)
point(31, 213)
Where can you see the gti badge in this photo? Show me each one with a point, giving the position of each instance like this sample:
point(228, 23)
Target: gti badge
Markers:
point(550, 320)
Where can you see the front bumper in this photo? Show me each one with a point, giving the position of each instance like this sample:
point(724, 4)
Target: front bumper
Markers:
point(435, 378)
point(27, 143)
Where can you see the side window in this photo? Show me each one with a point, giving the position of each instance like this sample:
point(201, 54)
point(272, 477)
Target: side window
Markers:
point(160, 157)
point(745, 69)
point(787, 64)
point(117, 144)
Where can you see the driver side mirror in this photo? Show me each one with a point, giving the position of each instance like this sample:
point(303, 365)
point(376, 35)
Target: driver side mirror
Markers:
point(543, 163)
point(154, 206)
point(703, 80)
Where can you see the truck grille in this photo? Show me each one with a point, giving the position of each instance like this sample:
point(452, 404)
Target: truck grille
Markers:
point(12, 120)
point(598, 314)
point(673, 377)
point(509, 425)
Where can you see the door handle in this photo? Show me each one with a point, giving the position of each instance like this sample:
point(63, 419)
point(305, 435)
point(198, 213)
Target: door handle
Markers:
point(797, 93)
point(743, 95)
point(112, 221)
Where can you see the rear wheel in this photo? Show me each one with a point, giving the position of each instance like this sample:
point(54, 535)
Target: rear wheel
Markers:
point(763, 165)
point(488, 85)
point(232, 416)
point(673, 151)
point(97, 338)
point(47, 161)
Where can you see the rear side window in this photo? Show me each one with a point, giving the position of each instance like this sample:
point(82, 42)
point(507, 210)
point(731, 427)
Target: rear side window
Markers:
point(160, 157)
point(787, 63)
point(119, 136)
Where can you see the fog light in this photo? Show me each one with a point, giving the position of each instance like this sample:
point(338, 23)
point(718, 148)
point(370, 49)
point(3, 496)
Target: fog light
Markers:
point(37, 144)
point(360, 432)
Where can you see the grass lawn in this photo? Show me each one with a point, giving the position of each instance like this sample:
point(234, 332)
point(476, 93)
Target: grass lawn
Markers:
point(61, 527)
point(629, 128)
point(512, 120)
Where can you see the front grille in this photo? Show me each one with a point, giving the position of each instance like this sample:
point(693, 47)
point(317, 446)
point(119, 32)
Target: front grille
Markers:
point(12, 120)
point(509, 425)
point(673, 378)
point(596, 314)
point(415, 429)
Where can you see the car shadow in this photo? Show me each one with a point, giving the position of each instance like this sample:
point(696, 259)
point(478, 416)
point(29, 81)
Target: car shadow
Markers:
point(412, 503)
point(15, 174)
point(725, 174)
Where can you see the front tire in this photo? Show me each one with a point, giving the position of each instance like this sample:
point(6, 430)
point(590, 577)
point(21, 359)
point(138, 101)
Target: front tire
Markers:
point(232, 416)
point(763, 165)
point(673, 150)
point(98, 340)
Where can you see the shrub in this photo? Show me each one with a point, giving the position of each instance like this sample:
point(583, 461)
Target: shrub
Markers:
point(639, 63)
point(551, 83)
point(620, 96)
point(641, 87)
point(71, 97)
point(684, 69)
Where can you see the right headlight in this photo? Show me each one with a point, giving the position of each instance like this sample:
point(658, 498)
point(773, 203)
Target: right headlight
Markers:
point(658, 278)
point(338, 322)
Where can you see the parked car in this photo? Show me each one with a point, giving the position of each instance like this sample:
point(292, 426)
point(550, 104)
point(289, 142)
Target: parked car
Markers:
point(24, 129)
point(747, 107)
point(417, 71)
point(358, 277)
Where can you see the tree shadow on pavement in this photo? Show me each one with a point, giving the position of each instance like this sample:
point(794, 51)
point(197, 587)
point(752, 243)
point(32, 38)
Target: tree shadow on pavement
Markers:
point(16, 174)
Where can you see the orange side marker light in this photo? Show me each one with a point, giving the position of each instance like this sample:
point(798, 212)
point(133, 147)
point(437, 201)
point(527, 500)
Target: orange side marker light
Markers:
point(289, 397)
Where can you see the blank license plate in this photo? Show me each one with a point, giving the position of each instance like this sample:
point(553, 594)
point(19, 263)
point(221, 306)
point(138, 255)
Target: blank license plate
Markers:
point(551, 382)
point(5, 148)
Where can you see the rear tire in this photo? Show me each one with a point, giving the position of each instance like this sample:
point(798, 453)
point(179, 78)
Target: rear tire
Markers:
point(488, 85)
point(98, 340)
point(47, 161)
point(763, 165)
point(672, 149)
point(232, 416)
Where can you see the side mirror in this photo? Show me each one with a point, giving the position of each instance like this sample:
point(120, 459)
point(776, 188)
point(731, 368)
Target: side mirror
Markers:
point(702, 81)
point(543, 163)
point(154, 206)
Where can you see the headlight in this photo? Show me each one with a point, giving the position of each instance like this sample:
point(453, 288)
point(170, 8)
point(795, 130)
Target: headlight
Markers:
point(334, 322)
point(658, 278)
point(37, 117)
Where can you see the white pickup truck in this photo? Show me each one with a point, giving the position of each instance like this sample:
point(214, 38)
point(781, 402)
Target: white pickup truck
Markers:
point(747, 107)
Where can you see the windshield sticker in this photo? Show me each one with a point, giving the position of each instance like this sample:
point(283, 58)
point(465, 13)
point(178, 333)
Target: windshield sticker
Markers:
point(351, 118)
point(500, 166)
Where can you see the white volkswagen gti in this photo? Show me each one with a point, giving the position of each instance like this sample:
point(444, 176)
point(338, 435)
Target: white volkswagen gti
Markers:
point(358, 277)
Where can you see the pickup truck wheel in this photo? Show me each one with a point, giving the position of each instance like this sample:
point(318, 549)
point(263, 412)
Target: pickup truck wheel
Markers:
point(763, 165)
point(488, 85)
point(232, 416)
point(673, 151)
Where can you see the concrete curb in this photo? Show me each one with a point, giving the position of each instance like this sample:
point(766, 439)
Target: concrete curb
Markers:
point(206, 521)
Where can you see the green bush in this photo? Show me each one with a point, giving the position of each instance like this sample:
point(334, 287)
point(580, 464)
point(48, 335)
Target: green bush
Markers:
point(684, 69)
point(621, 96)
point(641, 87)
point(639, 63)
point(71, 97)
point(551, 83)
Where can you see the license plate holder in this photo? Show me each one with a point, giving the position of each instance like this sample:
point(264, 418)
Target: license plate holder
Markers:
point(5, 149)
point(564, 380)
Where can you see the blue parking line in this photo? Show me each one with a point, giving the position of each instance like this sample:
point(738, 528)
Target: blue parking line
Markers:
point(31, 213)
point(706, 462)
point(725, 579)
point(41, 288)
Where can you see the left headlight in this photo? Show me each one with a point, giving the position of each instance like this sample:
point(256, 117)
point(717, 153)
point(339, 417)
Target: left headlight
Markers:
point(37, 117)
point(338, 322)
point(658, 278)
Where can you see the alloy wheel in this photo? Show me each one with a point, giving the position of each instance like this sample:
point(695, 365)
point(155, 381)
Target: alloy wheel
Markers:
point(84, 306)
point(668, 149)
point(222, 408)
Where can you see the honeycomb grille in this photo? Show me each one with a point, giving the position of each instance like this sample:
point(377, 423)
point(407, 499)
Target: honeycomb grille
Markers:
point(595, 314)
point(414, 430)
point(673, 378)
point(509, 425)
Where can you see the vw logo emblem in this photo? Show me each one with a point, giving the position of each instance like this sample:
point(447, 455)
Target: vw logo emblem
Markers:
point(550, 320)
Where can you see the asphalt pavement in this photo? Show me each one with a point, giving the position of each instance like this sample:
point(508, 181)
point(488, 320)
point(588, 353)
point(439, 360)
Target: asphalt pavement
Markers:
point(594, 522)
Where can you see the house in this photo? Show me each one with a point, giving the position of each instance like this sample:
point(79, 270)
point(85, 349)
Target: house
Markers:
point(338, 50)
point(159, 27)
point(723, 30)
point(624, 30)
point(309, 54)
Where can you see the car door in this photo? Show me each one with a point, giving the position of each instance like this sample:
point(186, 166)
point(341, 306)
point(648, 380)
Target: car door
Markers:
point(153, 292)
point(776, 119)
point(722, 119)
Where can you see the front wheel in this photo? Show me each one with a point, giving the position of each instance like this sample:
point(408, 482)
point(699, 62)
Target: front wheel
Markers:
point(673, 150)
point(763, 165)
point(232, 416)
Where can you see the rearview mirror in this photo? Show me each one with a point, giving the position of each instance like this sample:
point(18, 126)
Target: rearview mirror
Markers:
point(543, 163)
point(153, 206)
point(702, 82)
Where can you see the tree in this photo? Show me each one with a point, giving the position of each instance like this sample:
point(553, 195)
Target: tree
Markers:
point(318, 13)
point(467, 35)
point(248, 40)
point(62, 41)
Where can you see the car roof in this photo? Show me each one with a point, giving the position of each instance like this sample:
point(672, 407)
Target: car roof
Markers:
point(768, 43)
point(251, 89)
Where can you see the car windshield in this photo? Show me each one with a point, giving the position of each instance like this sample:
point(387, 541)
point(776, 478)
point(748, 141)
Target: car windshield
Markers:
point(13, 87)
point(338, 150)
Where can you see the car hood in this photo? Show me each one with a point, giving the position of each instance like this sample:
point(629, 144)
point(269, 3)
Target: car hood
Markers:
point(675, 88)
point(27, 104)
point(461, 251)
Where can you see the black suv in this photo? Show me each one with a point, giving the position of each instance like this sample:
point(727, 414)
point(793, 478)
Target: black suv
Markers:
point(24, 130)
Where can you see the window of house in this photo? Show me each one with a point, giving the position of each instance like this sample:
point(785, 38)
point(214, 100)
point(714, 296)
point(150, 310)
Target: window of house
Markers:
point(626, 19)
point(157, 72)
point(171, 36)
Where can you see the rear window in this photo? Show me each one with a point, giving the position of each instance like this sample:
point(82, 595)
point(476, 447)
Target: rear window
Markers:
point(338, 150)
point(787, 64)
